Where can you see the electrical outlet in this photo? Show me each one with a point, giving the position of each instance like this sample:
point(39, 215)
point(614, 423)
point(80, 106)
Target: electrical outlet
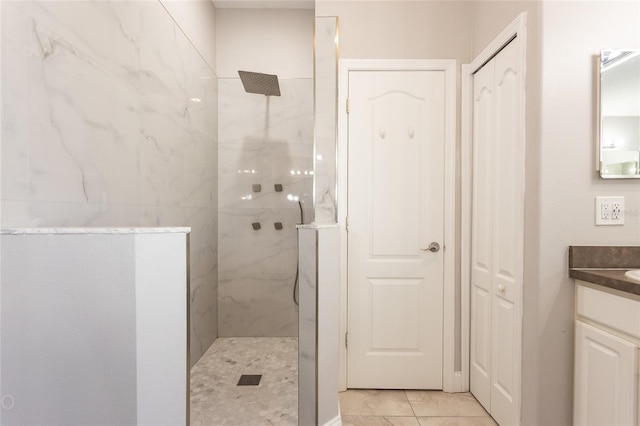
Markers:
point(609, 210)
point(616, 211)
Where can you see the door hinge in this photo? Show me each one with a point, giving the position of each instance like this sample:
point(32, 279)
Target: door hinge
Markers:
point(347, 223)
point(347, 105)
point(346, 340)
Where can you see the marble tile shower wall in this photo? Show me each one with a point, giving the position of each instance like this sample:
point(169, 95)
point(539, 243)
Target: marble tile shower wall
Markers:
point(100, 128)
point(264, 141)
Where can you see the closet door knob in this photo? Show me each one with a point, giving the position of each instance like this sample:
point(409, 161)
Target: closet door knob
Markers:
point(501, 288)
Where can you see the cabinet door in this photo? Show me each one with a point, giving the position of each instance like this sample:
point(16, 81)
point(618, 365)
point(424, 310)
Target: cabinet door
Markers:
point(605, 378)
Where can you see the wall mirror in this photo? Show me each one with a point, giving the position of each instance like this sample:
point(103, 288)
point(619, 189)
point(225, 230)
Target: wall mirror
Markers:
point(619, 136)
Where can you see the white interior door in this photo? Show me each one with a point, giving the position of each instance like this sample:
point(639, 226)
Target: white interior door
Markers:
point(496, 255)
point(395, 209)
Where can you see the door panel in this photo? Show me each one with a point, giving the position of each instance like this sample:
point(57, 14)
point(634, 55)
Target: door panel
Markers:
point(481, 237)
point(496, 235)
point(605, 378)
point(502, 358)
point(481, 345)
point(399, 327)
point(506, 244)
point(396, 217)
point(395, 208)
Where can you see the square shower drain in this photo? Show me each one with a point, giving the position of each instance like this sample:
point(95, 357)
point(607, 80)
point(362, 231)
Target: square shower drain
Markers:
point(249, 380)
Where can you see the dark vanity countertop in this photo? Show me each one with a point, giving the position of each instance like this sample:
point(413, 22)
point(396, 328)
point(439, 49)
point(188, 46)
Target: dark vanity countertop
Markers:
point(611, 278)
point(605, 266)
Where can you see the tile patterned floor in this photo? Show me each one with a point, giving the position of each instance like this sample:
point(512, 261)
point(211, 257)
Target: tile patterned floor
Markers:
point(216, 399)
point(411, 408)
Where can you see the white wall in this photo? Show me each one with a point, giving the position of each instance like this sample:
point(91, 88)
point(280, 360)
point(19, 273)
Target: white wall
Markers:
point(269, 41)
point(572, 35)
point(307, 327)
point(401, 29)
point(99, 129)
point(318, 352)
point(328, 283)
point(89, 318)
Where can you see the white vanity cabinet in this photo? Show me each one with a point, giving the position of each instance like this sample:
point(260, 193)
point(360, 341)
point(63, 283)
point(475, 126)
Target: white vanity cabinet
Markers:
point(607, 342)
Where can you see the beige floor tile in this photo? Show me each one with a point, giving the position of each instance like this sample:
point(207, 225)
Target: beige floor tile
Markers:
point(379, 421)
point(374, 403)
point(456, 421)
point(436, 403)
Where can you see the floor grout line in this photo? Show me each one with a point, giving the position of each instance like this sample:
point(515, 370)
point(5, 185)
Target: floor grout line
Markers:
point(410, 404)
point(464, 409)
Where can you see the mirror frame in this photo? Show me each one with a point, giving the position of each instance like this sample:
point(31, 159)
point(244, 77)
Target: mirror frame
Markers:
point(625, 55)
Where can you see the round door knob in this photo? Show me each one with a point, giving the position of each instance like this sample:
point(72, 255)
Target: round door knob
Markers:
point(433, 247)
point(501, 288)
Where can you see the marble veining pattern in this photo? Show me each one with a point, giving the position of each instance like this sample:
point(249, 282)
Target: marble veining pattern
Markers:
point(268, 164)
point(263, 251)
point(215, 398)
point(100, 129)
point(257, 304)
point(262, 141)
point(246, 117)
point(326, 120)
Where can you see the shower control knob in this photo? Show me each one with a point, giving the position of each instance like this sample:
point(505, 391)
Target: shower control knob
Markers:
point(433, 247)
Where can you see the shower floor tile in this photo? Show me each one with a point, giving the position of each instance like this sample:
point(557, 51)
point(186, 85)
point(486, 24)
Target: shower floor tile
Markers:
point(217, 400)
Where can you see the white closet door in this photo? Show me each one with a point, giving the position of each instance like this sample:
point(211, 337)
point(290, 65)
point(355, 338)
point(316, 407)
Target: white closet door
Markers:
point(507, 242)
point(482, 232)
point(496, 256)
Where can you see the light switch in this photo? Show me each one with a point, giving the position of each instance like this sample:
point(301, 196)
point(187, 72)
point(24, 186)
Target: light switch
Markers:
point(609, 210)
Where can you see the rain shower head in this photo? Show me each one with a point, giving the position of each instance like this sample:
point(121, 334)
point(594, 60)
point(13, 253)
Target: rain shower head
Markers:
point(262, 84)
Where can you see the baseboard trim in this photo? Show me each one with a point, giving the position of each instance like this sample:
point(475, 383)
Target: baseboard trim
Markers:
point(336, 421)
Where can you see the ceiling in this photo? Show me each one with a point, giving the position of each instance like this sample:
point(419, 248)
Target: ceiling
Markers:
point(264, 4)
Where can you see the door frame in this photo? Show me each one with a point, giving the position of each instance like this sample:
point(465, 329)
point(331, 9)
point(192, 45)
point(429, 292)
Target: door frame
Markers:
point(517, 28)
point(452, 380)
